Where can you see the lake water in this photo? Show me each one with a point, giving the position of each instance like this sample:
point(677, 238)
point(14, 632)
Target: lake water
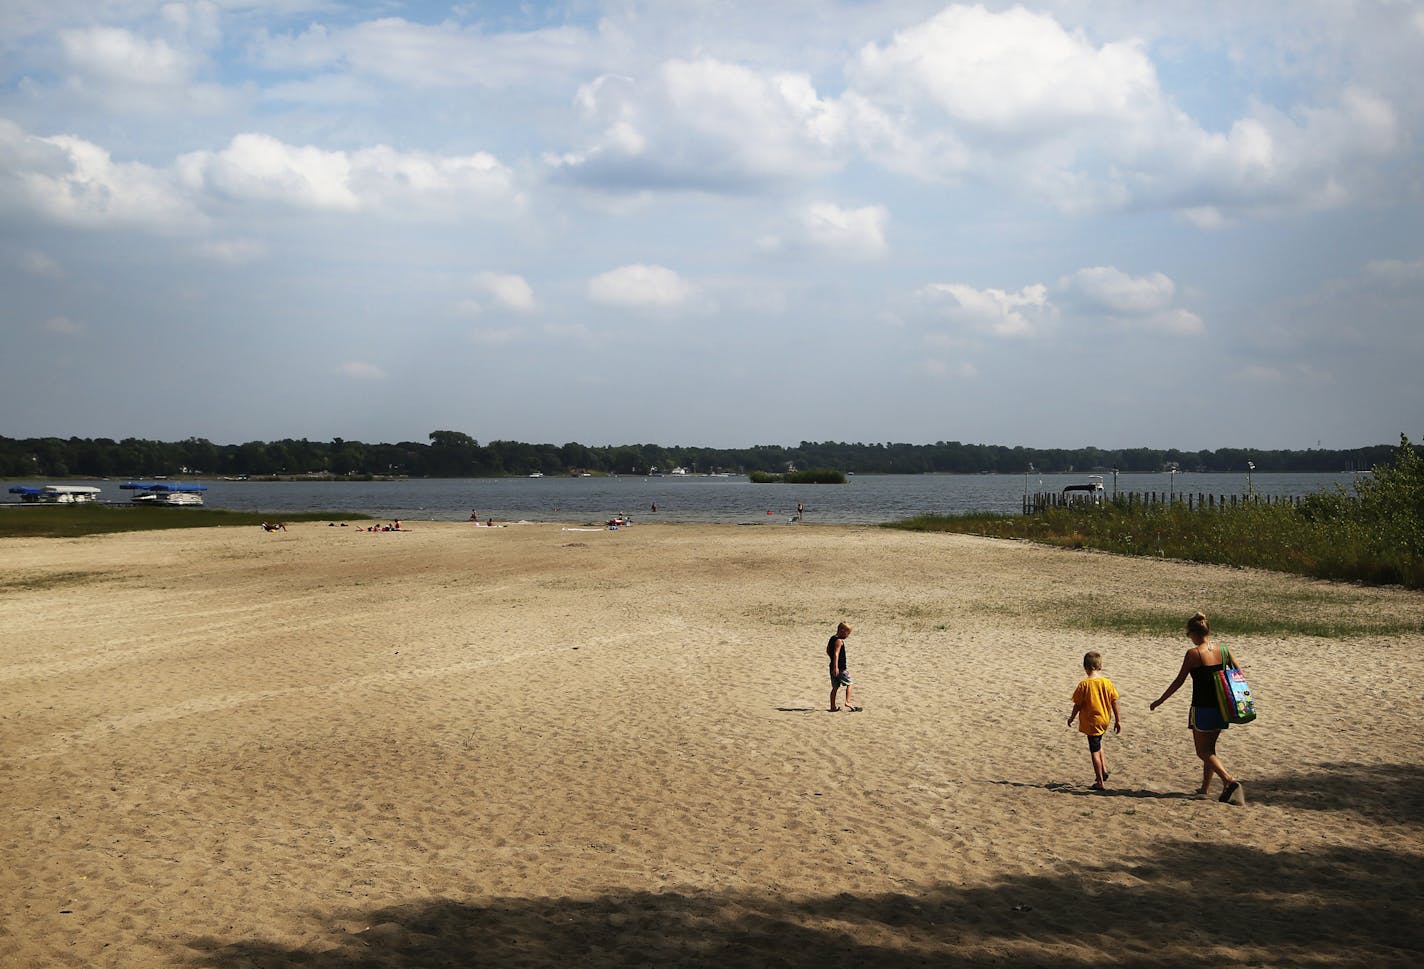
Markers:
point(866, 499)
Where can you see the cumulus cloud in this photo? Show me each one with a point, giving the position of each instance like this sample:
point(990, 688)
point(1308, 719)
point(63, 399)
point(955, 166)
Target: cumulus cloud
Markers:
point(941, 369)
point(1133, 302)
point(640, 287)
point(508, 290)
point(496, 337)
point(703, 124)
point(1396, 272)
point(62, 325)
point(1296, 373)
point(993, 311)
point(127, 72)
point(261, 168)
point(233, 252)
point(824, 228)
point(1017, 99)
point(359, 370)
point(443, 55)
point(1014, 75)
point(117, 56)
point(71, 181)
point(857, 233)
point(38, 263)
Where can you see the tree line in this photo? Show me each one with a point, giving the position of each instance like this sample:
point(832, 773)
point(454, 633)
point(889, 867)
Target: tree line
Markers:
point(456, 454)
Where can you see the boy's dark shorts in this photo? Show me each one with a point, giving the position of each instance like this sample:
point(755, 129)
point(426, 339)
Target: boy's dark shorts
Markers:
point(1095, 742)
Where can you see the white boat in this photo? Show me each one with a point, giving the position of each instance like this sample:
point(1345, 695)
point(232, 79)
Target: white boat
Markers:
point(1091, 492)
point(57, 494)
point(160, 493)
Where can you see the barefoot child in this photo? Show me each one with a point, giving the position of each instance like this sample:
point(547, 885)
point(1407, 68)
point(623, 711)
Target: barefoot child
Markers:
point(836, 652)
point(1095, 704)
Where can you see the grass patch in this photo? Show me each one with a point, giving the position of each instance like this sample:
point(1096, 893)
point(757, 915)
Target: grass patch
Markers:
point(1266, 615)
point(1280, 538)
point(76, 521)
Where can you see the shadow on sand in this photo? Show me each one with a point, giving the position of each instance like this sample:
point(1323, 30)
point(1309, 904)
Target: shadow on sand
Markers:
point(1316, 908)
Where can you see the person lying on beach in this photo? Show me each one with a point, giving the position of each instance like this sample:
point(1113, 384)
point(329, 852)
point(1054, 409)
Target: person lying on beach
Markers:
point(274, 526)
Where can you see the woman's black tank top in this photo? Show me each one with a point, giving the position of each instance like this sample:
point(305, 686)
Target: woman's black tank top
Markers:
point(1204, 685)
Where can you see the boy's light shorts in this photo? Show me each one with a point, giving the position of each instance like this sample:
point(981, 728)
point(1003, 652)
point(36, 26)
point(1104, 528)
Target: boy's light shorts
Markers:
point(843, 679)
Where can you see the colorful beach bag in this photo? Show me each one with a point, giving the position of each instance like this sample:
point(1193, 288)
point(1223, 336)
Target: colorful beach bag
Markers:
point(1233, 693)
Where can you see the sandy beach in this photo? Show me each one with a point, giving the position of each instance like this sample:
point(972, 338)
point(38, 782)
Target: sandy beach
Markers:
point(545, 745)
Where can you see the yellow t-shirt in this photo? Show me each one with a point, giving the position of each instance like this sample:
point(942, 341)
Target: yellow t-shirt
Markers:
point(1094, 698)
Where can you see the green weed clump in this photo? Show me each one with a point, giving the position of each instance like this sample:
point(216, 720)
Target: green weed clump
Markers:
point(74, 521)
point(811, 476)
point(1375, 535)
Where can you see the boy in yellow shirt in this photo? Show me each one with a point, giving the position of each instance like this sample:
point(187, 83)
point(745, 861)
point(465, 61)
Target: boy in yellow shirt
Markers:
point(1094, 706)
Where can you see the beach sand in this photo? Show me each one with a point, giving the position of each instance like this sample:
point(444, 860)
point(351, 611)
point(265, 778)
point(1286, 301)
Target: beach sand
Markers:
point(532, 746)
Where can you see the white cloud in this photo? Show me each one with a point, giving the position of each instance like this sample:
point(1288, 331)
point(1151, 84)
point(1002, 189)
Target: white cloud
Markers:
point(259, 167)
point(941, 369)
point(509, 290)
point(1016, 74)
point(75, 182)
point(1296, 373)
point(856, 233)
point(704, 124)
point(1111, 290)
point(62, 325)
point(358, 370)
point(233, 252)
point(640, 286)
point(40, 264)
point(256, 167)
point(1396, 272)
point(499, 337)
point(117, 56)
point(994, 311)
point(443, 55)
point(1133, 302)
point(1016, 99)
point(127, 72)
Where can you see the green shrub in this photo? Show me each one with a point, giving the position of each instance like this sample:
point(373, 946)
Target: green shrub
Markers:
point(812, 476)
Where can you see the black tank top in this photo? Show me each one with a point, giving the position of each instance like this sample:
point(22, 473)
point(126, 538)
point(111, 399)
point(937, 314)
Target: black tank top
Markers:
point(831, 653)
point(1204, 685)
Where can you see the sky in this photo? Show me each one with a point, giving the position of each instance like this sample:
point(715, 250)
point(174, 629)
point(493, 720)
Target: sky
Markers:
point(1056, 223)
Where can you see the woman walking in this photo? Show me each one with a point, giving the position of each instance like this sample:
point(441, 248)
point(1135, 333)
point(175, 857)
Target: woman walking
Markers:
point(1203, 662)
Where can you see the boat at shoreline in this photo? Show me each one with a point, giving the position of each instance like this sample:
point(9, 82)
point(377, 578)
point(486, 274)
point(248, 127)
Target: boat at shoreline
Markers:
point(57, 494)
point(164, 494)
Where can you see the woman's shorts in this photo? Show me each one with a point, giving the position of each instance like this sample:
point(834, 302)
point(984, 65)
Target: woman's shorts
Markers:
point(840, 679)
point(1206, 719)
